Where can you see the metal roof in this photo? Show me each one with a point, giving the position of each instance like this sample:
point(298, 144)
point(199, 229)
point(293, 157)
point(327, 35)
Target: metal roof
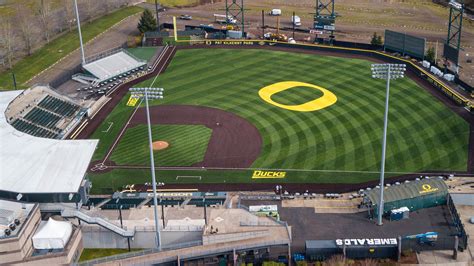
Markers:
point(412, 189)
point(113, 65)
point(38, 165)
point(317, 244)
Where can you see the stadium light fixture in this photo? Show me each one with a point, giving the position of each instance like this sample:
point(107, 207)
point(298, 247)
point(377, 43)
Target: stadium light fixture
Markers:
point(386, 72)
point(151, 93)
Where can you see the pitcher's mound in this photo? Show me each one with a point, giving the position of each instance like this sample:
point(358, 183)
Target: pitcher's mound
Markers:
point(160, 145)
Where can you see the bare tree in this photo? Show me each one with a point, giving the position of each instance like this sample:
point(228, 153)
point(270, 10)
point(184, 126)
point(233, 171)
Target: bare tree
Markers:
point(106, 6)
point(69, 16)
point(43, 11)
point(26, 26)
point(7, 40)
point(91, 5)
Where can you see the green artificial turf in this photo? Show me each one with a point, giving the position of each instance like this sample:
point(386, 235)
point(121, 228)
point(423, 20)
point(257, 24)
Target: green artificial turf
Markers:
point(94, 253)
point(345, 137)
point(187, 145)
point(46, 56)
point(110, 128)
point(144, 53)
point(296, 95)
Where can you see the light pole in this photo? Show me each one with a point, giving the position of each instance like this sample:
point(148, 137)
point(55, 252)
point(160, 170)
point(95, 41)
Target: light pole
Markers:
point(152, 93)
point(80, 33)
point(387, 72)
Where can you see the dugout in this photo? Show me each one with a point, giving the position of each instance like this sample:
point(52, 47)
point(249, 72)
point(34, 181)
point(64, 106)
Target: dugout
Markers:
point(415, 195)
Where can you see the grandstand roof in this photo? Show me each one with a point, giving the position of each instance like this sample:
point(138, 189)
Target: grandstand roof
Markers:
point(39, 165)
point(112, 65)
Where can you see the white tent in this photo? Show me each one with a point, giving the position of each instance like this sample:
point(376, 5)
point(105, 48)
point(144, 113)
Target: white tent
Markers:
point(52, 235)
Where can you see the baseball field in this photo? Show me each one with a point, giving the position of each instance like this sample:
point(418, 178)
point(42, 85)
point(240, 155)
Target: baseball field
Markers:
point(305, 118)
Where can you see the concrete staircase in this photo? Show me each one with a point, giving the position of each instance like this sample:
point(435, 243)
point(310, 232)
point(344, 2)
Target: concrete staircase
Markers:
point(84, 79)
point(73, 213)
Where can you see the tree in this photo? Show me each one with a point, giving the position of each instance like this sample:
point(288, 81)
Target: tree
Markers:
point(430, 55)
point(376, 40)
point(7, 40)
point(106, 6)
point(147, 22)
point(91, 6)
point(43, 11)
point(69, 16)
point(26, 26)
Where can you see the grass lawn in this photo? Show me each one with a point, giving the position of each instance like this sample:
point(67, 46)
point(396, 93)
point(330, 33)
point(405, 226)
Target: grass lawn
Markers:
point(145, 53)
point(94, 253)
point(187, 145)
point(331, 142)
point(29, 66)
point(176, 3)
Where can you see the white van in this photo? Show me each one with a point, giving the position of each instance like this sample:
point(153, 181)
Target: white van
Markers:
point(275, 12)
point(296, 21)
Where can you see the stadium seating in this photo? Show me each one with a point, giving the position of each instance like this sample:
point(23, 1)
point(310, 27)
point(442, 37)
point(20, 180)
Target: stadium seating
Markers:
point(43, 118)
point(29, 128)
point(58, 106)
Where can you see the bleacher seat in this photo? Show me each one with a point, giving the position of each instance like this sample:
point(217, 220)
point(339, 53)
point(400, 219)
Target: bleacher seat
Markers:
point(29, 128)
point(42, 118)
point(58, 106)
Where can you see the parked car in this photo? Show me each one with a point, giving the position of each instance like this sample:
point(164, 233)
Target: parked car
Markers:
point(185, 17)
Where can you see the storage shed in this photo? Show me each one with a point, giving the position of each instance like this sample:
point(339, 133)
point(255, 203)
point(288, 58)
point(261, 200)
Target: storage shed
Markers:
point(415, 195)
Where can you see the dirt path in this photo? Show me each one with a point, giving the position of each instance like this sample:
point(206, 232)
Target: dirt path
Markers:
point(234, 143)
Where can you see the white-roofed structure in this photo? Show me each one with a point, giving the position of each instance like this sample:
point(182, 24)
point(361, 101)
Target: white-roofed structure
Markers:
point(108, 65)
point(32, 165)
point(52, 234)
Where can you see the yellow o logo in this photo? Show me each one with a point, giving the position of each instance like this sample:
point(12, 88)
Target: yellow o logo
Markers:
point(426, 187)
point(324, 101)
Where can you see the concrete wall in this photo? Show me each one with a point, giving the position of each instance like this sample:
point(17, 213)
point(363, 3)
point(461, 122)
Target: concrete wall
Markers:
point(69, 255)
point(98, 237)
point(463, 199)
point(21, 246)
point(227, 237)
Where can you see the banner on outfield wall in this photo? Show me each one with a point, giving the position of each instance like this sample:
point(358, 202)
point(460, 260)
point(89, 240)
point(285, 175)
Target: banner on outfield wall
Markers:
point(230, 42)
point(268, 174)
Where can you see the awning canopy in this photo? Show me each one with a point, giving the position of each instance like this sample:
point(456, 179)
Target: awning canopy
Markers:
point(52, 235)
point(412, 189)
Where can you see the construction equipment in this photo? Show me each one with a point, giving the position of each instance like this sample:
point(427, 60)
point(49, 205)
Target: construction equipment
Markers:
point(428, 238)
point(275, 37)
point(223, 19)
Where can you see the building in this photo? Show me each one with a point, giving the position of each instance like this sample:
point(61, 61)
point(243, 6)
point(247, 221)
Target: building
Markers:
point(41, 169)
point(19, 224)
point(108, 66)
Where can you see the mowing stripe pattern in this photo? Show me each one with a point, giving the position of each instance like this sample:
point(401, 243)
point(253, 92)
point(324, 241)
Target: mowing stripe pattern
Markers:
point(187, 145)
point(423, 134)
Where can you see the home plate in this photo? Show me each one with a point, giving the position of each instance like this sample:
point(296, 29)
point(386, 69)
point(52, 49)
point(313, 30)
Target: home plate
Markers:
point(218, 219)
